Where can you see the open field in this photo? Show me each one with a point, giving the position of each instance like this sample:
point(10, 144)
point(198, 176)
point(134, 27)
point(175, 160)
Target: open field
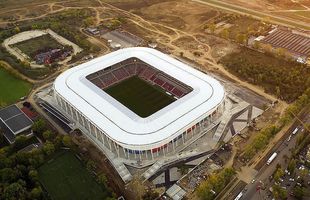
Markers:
point(258, 14)
point(30, 47)
point(64, 177)
point(270, 5)
point(11, 87)
point(139, 96)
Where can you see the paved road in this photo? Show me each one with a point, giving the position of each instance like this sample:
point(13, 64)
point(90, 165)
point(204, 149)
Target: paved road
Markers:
point(282, 148)
point(256, 14)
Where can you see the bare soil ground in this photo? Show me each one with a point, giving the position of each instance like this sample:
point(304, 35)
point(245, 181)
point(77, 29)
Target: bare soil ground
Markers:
point(285, 8)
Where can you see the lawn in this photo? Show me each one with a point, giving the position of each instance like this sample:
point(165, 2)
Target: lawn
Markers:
point(30, 47)
point(139, 96)
point(65, 178)
point(11, 87)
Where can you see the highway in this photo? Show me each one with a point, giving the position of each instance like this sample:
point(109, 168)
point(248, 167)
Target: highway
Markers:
point(262, 178)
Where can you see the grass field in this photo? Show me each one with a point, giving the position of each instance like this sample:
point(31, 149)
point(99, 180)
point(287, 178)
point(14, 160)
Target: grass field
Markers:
point(12, 88)
point(30, 47)
point(139, 96)
point(65, 178)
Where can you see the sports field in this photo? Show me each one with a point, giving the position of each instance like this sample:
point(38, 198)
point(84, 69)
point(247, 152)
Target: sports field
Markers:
point(139, 96)
point(65, 178)
point(30, 47)
point(11, 87)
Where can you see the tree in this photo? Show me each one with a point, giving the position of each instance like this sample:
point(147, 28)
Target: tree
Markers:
point(212, 28)
point(39, 126)
point(36, 193)
point(268, 48)
point(48, 135)
point(36, 157)
point(33, 175)
point(90, 165)
point(299, 192)
point(20, 141)
point(15, 191)
point(225, 33)
point(281, 52)
point(58, 141)
point(256, 44)
point(183, 169)
point(279, 192)
point(102, 179)
point(89, 21)
point(291, 166)
point(48, 148)
point(241, 38)
point(66, 140)
point(16, 29)
point(8, 175)
point(278, 174)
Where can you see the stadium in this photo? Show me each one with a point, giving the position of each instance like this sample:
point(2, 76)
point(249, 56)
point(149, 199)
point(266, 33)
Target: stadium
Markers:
point(138, 103)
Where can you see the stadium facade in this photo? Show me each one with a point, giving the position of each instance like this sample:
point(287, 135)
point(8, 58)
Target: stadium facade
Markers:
point(80, 94)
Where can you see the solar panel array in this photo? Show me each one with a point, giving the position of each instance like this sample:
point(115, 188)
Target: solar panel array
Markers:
point(14, 119)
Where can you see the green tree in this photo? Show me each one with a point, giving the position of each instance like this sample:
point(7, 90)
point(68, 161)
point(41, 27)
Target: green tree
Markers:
point(279, 193)
point(291, 166)
point(36, 157)
point(36, 193)
point(39, 126)
point(33, 175)
point(58, 141)
point(66, 140)
point(8, 175)
point(49, 148)
point(90, 165)
point(48, 135)
point(102, 179)
point(15, 191)
point(299, 192)
point(183, 169)
point(278, 174)
point(89, 21)
point(20, 141)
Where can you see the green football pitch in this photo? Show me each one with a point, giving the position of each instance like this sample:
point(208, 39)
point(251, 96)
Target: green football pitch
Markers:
point(65, 178)
point(11, 87)
point(139, 96)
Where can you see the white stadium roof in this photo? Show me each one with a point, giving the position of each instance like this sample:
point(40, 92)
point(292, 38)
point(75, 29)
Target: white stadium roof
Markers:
point(124, 126)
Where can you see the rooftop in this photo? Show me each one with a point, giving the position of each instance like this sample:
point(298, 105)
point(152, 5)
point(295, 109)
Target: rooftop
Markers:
point(123, 125)
point(14, 121)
